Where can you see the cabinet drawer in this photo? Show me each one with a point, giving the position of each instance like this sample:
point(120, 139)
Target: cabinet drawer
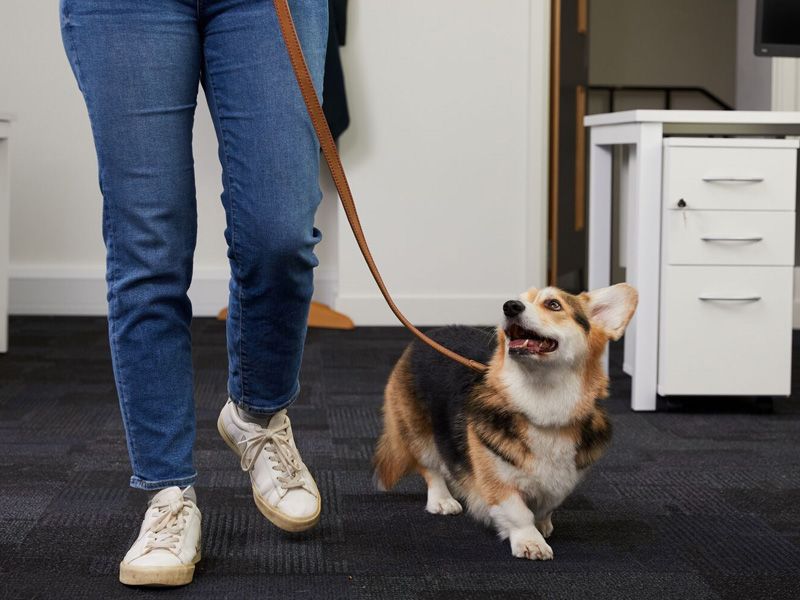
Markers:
point(734, 178)
point(725, 331)
point(721, 237)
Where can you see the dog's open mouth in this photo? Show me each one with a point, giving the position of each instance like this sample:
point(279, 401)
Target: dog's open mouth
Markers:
point(526, 341)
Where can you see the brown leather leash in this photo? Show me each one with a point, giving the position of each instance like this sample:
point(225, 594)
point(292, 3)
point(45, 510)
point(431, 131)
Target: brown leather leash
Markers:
point(331, 154)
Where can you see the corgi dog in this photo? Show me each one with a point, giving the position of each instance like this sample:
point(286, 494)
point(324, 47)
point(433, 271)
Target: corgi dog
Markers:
point(513, 442)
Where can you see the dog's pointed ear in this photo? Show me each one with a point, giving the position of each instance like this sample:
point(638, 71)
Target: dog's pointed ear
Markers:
point(612, 307)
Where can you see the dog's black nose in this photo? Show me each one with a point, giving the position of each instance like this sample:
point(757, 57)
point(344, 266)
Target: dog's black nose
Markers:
point(512, 308)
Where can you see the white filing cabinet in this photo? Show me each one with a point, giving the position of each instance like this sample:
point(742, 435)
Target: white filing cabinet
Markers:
point(727, 264)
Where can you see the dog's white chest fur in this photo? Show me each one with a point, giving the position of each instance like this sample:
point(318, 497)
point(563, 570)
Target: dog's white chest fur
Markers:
point(547, 399)
point(546, 396)
point(554, 474)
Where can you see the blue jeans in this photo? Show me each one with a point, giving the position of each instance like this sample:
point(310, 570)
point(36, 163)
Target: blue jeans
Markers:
point(138, 64)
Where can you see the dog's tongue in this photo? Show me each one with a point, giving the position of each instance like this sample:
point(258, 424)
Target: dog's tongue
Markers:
point(526, 344)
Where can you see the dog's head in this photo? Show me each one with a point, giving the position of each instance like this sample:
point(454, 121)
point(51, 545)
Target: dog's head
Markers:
point(552, 327)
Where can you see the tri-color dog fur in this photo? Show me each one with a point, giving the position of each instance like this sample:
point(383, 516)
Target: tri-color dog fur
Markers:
point(515, 441)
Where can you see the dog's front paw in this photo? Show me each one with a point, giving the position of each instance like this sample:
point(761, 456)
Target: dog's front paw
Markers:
point(532, 550)
point(530, 545)
point(444, 506)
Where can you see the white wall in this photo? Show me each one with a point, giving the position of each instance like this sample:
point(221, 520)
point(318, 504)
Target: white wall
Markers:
point(663, 43)
point(447, 157)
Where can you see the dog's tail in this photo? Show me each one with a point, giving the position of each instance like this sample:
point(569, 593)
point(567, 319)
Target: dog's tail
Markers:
point(393, 459)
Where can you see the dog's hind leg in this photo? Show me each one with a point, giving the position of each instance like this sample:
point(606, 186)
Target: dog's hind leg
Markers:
point(440, 500)
point(545, 525)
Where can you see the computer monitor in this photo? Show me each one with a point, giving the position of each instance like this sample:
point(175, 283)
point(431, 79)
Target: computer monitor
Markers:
point(778, 28)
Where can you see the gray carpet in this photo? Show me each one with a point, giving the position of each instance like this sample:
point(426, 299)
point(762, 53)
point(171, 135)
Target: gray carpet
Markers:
point(701, 500)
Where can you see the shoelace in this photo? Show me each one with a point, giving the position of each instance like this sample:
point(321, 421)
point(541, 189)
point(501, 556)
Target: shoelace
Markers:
point(166, 533)
point(276, 441)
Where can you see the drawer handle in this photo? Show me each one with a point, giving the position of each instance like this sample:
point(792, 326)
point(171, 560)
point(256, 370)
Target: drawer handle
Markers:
point(706, 298)
point(732, 238)
point(733, 179)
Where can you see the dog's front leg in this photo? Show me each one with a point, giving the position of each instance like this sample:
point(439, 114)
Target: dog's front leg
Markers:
point(515, 521)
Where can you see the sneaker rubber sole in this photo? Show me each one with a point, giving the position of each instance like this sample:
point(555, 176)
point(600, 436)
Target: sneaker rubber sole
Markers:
point(157, 576)
point(274, 516)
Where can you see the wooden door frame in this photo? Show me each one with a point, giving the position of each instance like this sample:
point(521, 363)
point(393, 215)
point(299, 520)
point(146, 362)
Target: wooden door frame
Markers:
point(555, 115)
point(554, 136)
point(538, 129)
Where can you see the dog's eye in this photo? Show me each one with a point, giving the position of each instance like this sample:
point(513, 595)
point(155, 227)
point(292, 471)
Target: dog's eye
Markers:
point(553, 305)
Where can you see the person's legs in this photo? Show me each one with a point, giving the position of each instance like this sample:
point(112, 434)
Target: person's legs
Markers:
point(137, 63)
point(270, 159)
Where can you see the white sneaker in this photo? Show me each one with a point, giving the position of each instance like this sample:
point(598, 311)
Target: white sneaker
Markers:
point(168, 545)
point(283, 488)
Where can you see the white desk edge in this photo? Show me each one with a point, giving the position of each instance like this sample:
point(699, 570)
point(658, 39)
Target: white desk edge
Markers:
point(754, 117)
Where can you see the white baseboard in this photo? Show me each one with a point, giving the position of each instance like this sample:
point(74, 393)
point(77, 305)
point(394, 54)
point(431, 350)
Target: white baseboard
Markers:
point(371, 309)
point(80, 291)
point(796, 305)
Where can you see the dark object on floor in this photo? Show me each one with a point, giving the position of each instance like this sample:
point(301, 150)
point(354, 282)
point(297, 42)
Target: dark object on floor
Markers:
point(684, 505)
